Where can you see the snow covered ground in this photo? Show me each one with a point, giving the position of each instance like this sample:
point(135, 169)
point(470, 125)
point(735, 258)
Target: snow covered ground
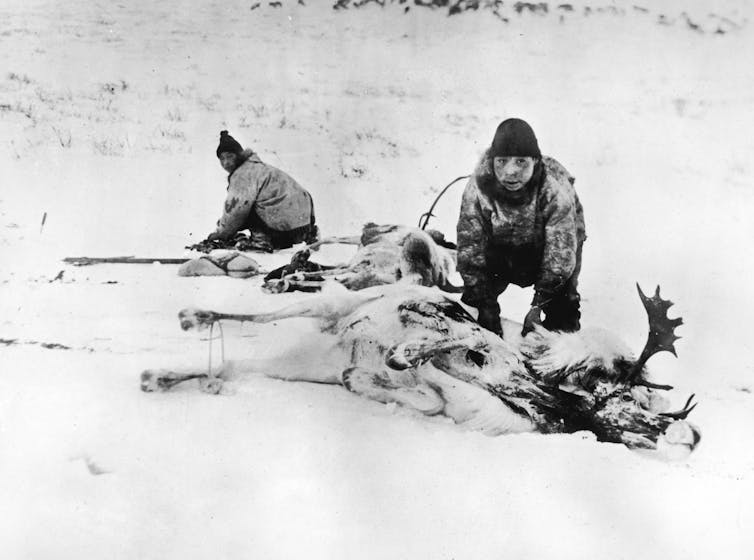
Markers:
point(109, 118)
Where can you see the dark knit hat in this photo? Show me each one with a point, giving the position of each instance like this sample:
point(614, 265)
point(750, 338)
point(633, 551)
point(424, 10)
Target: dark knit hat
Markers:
point(228, 144)
point(514, 137)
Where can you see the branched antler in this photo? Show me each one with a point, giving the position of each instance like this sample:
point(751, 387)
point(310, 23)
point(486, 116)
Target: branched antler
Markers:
point(661, 329)
point(684, 412)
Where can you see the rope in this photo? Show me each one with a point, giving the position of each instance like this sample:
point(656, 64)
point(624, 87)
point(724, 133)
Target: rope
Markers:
point(428, 214)
point(210, 375)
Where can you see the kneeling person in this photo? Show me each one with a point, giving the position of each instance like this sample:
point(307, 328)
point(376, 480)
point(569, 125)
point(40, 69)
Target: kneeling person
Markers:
point(521, 223)
point(263, 199)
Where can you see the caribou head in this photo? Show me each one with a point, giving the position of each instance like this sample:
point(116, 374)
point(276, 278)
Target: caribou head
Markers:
point(606, 389)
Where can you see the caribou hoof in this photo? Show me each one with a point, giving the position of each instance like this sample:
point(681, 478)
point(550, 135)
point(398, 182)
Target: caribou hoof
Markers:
point(150, 381)
point(192, 318)
point(153, 380)
point(276, 286)
point(213, 385)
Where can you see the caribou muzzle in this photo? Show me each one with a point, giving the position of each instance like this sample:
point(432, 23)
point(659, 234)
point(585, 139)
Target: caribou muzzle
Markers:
point(678, 440)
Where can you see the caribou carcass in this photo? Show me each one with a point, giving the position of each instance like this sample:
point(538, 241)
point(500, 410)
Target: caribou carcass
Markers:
point(386, 254)
point(415, 346)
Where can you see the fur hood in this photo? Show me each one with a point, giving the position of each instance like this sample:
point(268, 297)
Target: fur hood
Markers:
point(485, 175)
point(248, 155)
point(487, 182)
point(483, 170)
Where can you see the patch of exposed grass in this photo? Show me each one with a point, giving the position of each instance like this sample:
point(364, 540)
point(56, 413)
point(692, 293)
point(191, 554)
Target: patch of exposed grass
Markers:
point(112, 146)
point(64, 137)
point(20, 78)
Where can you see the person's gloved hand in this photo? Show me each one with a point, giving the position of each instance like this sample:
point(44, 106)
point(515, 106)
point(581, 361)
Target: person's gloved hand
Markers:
point(532, 319)
point(489, 318)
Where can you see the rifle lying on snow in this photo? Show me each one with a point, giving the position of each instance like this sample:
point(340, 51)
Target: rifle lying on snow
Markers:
point(86, 261)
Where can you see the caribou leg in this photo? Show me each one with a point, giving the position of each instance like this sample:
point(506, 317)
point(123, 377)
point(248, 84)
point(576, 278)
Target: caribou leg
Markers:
point(291, 284)
point(309, 281)
point(303, 275)
point(354, 280)
point(330, 307)
point(157, 380)
point(347, 240)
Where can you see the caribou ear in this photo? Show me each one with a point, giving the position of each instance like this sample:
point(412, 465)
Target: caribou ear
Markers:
point(661, 329)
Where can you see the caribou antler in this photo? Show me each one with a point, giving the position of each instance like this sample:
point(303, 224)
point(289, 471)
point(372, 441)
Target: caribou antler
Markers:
point(661, 331)
point(684, 412)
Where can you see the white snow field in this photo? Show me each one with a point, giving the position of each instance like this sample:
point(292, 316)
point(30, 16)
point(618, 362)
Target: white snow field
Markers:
point(109, 119)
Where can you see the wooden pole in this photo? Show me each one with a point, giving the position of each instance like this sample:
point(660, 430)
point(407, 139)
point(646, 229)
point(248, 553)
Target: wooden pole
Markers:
point(86, 261)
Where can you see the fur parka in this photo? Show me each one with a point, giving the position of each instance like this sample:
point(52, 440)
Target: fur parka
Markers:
point(528, 238)
point(276, 198)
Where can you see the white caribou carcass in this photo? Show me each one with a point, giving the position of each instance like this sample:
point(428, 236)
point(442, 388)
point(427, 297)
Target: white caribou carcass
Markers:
point(416, 346)
point(386, 254)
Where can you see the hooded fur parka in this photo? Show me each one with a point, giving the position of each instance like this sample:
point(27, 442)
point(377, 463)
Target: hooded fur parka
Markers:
point(529, 238)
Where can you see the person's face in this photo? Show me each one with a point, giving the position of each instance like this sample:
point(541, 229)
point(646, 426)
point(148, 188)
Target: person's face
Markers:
point(513, 172)
point(228, 161)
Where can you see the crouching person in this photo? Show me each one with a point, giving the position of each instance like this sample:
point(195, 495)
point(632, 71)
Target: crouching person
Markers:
point(521, 223)
point(263, 199)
